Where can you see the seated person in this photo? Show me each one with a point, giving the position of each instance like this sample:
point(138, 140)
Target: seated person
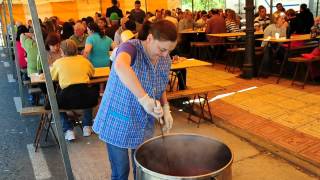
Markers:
point(126, 35)
point(202, 22)
point(277, 27)
point(273, 50)
point(79, 36)
point(52, 45)
point(73, 73)
point(263, 20)
point(126, 24)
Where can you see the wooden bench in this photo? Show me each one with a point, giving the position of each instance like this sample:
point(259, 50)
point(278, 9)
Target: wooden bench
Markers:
point(201, 50)
point(45, 121)
point(301, 60)
point(193, 94)
point(237, 54)
point(308, 47)
point(296, 51)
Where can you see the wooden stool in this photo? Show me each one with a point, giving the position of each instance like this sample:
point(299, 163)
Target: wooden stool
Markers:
point(200, 50)
point(234, 55)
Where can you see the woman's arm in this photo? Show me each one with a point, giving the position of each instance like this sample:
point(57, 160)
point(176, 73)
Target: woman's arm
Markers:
point(127, 76)
point(163, 99)
point(87, 50)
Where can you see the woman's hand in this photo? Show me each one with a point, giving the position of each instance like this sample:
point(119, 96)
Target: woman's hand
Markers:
point(168, 120)
point(151, 106)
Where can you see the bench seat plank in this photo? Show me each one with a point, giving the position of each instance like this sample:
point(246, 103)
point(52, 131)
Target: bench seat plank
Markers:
point(192, 91)
point(37, 110)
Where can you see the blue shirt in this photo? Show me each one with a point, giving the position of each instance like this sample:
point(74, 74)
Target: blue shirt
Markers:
point(99, 54)
point(121, 120)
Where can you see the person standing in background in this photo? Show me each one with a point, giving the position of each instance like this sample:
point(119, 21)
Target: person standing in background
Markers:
point(280, 9)
point(137, 14)
point(306, 17)
point(97, 46)
point(115, 8)
point(293, 22)
point(20, 51)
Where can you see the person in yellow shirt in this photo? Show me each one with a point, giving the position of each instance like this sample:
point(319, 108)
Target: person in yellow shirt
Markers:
point(73, 73)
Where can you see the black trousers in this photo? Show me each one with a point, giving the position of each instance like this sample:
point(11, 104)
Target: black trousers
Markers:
point(77, 96)
point(182, 78)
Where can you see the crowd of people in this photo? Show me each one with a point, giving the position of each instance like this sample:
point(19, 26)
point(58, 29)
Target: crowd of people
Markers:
point(99, 34)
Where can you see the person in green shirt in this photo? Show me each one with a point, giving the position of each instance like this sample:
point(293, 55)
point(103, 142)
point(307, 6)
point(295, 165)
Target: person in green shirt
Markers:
point(31, 48)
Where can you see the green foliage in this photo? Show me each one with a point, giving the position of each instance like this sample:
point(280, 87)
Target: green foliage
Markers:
point(202, 4)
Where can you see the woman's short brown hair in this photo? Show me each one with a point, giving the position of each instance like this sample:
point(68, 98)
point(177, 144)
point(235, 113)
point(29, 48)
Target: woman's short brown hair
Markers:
point(69, 47)
point(162, 30)
point(291, 12)
point(52, 39)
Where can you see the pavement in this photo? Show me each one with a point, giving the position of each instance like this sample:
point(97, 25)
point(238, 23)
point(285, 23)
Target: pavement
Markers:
point(88, 155)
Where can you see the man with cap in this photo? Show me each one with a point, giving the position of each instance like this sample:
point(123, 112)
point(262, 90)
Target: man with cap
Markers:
point(114, 9)
point(114, 19)
point(126, 24)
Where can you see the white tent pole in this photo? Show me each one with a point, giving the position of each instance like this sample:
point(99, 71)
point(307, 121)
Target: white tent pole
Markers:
point(50, 88)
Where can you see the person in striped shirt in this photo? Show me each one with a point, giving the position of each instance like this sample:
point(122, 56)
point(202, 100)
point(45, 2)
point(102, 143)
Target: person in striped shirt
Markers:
point(262, 21)
point(231, 23)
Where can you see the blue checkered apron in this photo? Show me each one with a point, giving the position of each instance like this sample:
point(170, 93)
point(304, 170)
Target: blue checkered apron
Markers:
point(121, 120)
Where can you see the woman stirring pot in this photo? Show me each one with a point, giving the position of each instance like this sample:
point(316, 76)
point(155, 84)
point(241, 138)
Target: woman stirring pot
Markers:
point(135, 94)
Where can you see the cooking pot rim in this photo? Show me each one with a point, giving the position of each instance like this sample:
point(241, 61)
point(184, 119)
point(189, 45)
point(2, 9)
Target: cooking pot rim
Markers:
point(212, 174)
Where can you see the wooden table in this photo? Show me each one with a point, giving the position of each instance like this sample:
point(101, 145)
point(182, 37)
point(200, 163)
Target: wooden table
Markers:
point(225, 35)
point(303, 37)
point(101, 72)
point(191, 31)
point(100, 75)
point(294, 38)
point(187, 63)
point(178, 70)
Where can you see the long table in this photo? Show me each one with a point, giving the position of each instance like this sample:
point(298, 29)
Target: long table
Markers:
point(188, 63)
point(191, 31)
point(225, 35)
point(303, 37)
point(288, 42)
point(100, 74)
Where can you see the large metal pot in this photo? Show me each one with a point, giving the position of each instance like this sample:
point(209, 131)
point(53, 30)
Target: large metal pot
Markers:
point(183, 156)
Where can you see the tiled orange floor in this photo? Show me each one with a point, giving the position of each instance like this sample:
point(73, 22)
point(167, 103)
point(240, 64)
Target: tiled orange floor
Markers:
point(286, 116)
